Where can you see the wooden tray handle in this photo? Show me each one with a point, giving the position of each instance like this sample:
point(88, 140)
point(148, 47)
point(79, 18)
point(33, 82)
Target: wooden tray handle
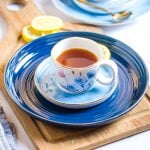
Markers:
point(19, 18)
point(15, 20)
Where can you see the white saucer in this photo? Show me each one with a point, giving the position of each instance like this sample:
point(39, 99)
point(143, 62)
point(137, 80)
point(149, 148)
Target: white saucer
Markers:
point(44, 79)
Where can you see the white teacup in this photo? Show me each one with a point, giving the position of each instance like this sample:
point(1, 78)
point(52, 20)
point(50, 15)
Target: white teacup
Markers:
point(78, 80)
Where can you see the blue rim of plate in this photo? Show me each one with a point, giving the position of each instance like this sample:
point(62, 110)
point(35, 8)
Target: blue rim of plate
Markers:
point(130, 64)
point(70, 9)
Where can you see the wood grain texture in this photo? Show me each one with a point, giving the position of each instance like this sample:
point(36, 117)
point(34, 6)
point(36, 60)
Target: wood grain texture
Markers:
point(49, 136)
point(53, 133)
point(81, 27)
point(148, 92)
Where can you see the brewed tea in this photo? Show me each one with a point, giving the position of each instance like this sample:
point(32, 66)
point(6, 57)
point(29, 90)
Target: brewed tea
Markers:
point(77, 58)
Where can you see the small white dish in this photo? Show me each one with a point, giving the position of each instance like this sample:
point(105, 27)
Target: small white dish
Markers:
point(45, 82)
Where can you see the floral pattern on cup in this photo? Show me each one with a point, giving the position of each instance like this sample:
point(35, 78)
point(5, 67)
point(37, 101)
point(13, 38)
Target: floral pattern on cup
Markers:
point(80, 83)
point(78, 80)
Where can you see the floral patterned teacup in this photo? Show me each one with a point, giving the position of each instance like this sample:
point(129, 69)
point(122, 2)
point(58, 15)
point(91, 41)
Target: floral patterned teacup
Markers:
point(78, 80)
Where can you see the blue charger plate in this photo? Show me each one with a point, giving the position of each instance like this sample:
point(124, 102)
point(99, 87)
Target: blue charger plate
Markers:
point(19, 82)
point(69, 8)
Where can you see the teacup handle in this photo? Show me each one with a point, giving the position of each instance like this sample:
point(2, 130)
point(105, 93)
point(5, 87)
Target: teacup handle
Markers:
point(112, 68)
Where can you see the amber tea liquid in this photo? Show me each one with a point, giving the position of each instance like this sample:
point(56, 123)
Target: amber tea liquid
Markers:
point(77, 58)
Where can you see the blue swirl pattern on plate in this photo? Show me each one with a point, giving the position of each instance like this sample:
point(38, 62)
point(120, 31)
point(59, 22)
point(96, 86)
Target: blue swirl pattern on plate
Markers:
point(132, 84)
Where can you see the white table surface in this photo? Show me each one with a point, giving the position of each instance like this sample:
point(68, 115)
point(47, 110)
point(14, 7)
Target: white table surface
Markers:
point(136, 35)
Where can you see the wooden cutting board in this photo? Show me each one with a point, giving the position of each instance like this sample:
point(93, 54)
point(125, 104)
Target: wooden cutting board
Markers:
point(48, 136)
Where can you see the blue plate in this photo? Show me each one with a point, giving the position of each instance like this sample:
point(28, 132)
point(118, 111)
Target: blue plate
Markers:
point(19, 82)
point(69, 8)
point(46, 84)
point(111, 5)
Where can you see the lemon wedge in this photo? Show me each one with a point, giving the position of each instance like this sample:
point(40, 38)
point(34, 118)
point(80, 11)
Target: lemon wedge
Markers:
point(29, 34)
point(46, 23)
point(106, 51)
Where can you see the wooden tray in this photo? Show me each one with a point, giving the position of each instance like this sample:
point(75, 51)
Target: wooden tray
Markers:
point(48, 136)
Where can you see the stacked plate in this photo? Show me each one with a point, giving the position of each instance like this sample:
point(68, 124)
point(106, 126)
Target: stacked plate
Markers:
point(91, 15)
point(111, 5)
point(30, 82)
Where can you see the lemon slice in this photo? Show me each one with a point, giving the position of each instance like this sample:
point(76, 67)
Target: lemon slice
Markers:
point(106, 51)
point(46, 23)
point(29, 34)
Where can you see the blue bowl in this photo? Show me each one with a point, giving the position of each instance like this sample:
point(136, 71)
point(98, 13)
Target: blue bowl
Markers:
point(132, 84)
